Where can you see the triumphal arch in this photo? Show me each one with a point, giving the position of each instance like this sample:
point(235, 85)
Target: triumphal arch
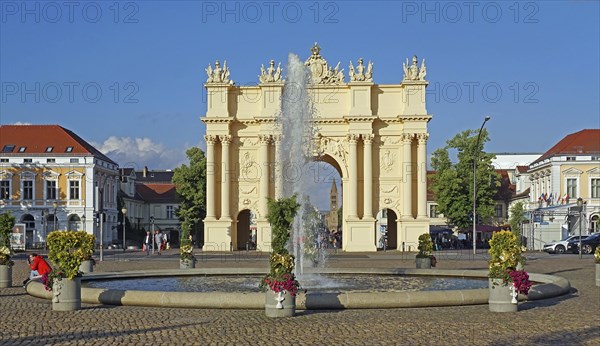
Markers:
point(375, 135)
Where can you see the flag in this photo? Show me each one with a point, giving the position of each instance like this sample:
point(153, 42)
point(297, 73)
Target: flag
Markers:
point(545, 197)
point(567, 197)
point(550, 199)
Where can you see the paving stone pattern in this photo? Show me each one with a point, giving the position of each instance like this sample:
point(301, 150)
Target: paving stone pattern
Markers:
point(573, 319)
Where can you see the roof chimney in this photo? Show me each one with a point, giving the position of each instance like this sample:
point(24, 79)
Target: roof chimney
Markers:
point(145, 171)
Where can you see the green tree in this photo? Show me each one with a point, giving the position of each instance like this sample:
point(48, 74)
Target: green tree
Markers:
point(517, 216)
point(190, 184)
point(7, 222)
point(453, 181)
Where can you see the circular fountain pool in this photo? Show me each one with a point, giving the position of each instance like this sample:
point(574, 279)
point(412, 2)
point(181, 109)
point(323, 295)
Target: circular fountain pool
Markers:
point(312, 283)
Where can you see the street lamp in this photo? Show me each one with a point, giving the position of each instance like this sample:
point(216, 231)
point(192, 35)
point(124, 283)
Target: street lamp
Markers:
point(55, 205)
point(83, 221)
point(124, 210)
point(152, 233)
point(487, 117)
point(580, 208)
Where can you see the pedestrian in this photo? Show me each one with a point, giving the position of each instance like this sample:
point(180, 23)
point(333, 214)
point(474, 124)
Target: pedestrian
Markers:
point(148, 243)
point(166, 244)
point(158, 239)
point(39, 268)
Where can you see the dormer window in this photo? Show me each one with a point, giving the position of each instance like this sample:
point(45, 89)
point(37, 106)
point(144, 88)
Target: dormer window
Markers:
point(49, 149)
point(69, 150)
point(22, 149)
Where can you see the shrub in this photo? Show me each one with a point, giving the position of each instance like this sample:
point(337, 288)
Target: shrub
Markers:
point(67, 250)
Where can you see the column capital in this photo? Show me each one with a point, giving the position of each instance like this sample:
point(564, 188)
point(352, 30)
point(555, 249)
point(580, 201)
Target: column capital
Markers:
point(277, 139)
point(210, 139)
point(422, 137)
point(225, 139)
point(407, 137)
point(264, 139)
point(352, 138)
point(368, 138)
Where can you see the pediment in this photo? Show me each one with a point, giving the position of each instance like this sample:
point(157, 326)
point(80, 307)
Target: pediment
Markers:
point(74, 174)
point(50, 174)
point(594, 171)
point(572, 171)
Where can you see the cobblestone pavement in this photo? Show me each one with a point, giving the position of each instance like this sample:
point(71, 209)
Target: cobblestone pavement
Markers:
point(573, 319)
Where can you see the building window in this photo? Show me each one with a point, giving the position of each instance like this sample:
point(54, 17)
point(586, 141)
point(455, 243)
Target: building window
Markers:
point(4, 189)
point(49, 149)
point(595, 188)
point(433, 211)
point(51, 189)
point(27, 160)
point(170, 212)
point(499, 211)
point(73, 189)
point(74, 160)
point(22, 149)
point(69, 149)
point(572, 188)
point(571, 158)
point(27, 190)
point(50, 160)
point(3, 160)
point(8, 148)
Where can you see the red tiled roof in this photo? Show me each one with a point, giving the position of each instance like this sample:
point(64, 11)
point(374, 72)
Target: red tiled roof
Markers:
point(157, 193)
point(584, 142)
point(37, 138)
point(522, 169)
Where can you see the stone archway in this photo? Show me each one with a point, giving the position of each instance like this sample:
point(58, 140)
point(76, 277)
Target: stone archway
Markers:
point(376, 135)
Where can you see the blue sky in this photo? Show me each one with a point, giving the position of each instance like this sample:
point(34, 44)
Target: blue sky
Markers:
point(129, 77)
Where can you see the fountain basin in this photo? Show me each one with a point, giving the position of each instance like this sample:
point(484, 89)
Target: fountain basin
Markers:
point(548, 286)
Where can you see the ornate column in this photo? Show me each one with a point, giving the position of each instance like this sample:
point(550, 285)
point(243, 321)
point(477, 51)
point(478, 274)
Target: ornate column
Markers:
point(422, 175)
point(263, 158)
point(353, 175)
point(368, 174)
point(210, 176)
point(407, 175)
point(225, 181)
point(278, 171)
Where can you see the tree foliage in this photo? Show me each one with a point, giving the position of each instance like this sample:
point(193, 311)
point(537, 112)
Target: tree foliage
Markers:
point(453, 181)
point(517, 216)
point(190, 183)
point(7, 222)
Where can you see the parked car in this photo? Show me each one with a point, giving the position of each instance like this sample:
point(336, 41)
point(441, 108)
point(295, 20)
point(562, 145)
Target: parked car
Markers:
point(561, 245)
point(588, 245)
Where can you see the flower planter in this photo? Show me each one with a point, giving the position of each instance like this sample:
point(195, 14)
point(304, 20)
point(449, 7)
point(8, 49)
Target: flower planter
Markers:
point(500, 299)
point(187, 264)
point(423, 262)
point(598, 274)
point(66, 294)
point(5, 276)
point(281, 304)
point(86, 266)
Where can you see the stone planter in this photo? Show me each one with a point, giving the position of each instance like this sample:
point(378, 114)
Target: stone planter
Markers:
point(501, 299)
point(281, 304)
point(423, 262)
point(187, 264)
point(5, 276)
point(598, 274)
point(86, 266)
point(66, 294)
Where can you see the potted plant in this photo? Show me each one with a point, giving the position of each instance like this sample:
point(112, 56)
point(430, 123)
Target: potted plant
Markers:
point(506, 279)
point(67, 250)
point(425, 258)
point(186, 256)
point(280, 284)
point(87, 265)
point(7, 222)
point(597, 259)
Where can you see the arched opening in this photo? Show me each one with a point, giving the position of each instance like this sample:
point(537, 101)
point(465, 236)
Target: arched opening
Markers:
point(594, 223)
point(51, 223)
point(386, 229)
point(74, 223)
point(29, 222)
point(246, 231)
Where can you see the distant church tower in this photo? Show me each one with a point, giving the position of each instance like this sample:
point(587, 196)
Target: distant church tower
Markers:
point(332, 218)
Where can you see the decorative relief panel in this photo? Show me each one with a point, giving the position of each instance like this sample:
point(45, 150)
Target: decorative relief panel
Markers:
point(335, 147)
point(388, 159)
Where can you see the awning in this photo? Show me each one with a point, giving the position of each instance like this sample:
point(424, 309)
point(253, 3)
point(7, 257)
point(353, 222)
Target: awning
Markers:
point(439, 230)
point(482, 229)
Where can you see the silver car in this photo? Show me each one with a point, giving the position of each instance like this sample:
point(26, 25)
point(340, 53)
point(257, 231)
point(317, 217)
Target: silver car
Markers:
point(561, 246)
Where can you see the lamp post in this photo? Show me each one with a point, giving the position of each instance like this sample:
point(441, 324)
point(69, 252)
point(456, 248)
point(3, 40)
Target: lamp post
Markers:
point(83, 221)
point(487, 117)
point(124, 210)
point(55, 206)
point(580, 208)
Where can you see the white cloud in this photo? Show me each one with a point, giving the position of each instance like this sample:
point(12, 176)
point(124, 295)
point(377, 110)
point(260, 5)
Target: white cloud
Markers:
point(21, 123)
point(140, 152)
